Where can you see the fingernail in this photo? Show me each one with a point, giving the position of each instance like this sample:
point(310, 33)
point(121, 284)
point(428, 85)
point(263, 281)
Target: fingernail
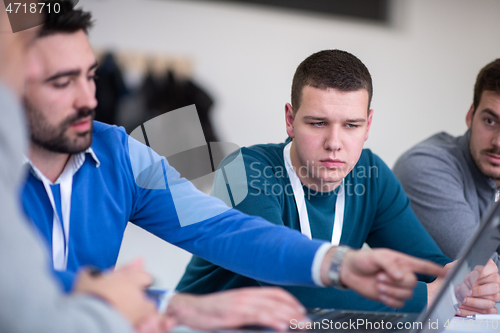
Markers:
point(469, 293)
point(302, 309)
point(382, 287)
point(398, 274)
point(459, 312)
point(382, 277)
point(283, 326)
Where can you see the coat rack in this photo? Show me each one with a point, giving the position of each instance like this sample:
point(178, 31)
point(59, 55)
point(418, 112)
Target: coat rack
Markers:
point(139, 63)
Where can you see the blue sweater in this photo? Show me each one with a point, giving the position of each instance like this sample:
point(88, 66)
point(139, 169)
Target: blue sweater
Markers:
point(105, 198)
point(377, 212)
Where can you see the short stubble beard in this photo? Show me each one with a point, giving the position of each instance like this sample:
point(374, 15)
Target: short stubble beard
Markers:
point(54, 138)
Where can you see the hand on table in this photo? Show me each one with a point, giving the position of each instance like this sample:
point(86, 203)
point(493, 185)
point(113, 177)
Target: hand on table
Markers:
point(383, 275)
point(124, 290)
point(263, 306)
point(485, 284)
point(478, 293)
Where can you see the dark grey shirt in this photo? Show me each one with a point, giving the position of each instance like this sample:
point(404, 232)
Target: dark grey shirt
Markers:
point(446, 189)
point(30, 299)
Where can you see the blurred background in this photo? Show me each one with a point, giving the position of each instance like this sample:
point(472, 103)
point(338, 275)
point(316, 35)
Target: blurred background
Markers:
point(235, 60)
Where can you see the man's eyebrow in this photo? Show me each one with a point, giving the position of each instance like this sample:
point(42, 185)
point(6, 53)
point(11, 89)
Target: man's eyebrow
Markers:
point(355, 120)
point(491, 113)
point(315, 118)
point(71, 72)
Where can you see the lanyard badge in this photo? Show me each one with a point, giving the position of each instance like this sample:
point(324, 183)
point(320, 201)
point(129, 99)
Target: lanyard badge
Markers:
point(298, 194)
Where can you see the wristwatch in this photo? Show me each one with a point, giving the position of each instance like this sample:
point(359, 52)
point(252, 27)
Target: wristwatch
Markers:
point(334, 273)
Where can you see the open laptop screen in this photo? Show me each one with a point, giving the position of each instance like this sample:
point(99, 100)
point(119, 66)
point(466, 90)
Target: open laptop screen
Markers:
point(457, 284)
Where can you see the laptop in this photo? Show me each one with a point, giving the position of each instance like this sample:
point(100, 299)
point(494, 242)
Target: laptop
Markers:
point(438, 316)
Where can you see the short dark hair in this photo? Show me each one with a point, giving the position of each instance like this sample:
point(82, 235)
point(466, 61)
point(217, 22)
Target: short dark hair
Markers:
point(487, 79)
point(67, 20)
point(331, 69)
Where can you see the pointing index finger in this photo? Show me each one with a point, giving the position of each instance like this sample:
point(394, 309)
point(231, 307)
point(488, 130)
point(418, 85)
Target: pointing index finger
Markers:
point(425, 267)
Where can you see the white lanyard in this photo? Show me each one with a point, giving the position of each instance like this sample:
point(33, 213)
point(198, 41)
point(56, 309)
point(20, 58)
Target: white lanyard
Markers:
point(60, 237)
point(298, 193)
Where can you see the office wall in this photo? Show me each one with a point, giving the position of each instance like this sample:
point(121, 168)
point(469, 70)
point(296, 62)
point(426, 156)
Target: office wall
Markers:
point(423, 65)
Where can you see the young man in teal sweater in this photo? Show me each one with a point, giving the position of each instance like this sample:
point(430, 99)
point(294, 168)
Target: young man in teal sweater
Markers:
point(322, 182)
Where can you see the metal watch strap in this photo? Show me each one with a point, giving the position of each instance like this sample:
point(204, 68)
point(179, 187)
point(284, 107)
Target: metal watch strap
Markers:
point(337, 259)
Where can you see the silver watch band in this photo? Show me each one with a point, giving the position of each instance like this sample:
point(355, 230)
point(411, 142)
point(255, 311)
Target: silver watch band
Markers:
point(337, 259)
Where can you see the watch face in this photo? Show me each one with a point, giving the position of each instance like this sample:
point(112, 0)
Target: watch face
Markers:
point(337, 259)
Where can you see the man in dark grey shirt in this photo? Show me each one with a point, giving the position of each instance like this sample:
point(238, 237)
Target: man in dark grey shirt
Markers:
point(452, 181)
